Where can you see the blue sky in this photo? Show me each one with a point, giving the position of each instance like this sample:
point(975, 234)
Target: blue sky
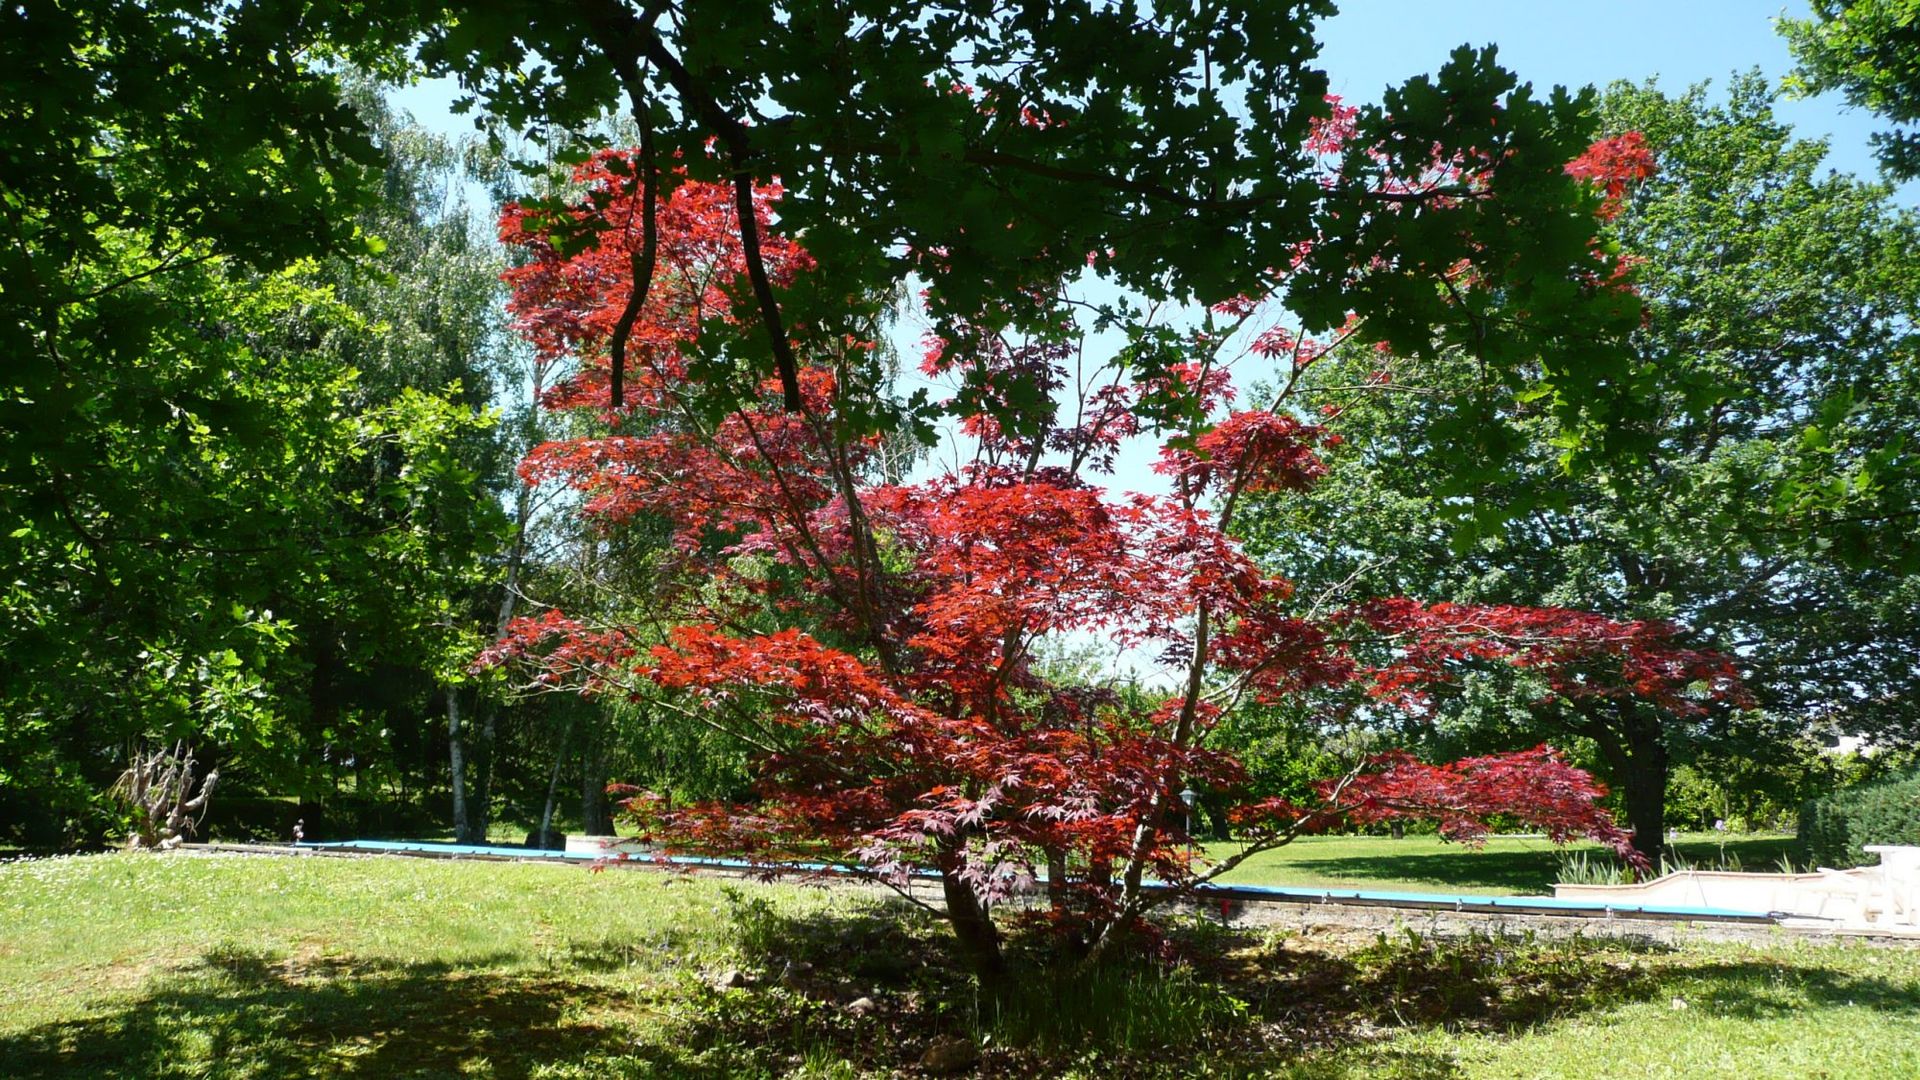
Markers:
point(1373, 43)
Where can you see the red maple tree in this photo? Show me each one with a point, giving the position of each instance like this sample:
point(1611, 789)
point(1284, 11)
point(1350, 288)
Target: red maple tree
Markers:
point(874, 643)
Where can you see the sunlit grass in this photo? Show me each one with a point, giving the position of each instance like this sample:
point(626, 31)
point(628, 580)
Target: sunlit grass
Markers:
point(177, 966)
point(1753, 1012)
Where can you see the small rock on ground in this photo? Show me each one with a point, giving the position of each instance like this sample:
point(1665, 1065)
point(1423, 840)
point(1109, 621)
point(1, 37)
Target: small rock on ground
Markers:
point(950, 1054)
point(731, 979)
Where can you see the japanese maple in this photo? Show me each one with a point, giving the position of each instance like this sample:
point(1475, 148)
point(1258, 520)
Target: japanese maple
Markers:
point(874, 643)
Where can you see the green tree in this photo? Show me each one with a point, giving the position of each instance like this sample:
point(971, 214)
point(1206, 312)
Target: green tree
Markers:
point(1869, 50)
point(400, 618)
point(995, 151)
point(245, 502)
point(1781, 308)
point(166, 164)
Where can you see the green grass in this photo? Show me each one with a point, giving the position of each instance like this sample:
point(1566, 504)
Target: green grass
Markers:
point(1504, 866)
point(132, 965)
point(1719, 1011)
point(172, 966)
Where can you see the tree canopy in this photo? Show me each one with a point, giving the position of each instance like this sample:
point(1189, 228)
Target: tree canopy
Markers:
point(1868, 50)
point(872, 643)
point(1769, 511)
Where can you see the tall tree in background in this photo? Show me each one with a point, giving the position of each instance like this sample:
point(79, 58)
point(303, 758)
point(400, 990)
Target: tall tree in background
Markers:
point(1766, 512)
point(395, 613)
point(155, 158)
point(243, 480)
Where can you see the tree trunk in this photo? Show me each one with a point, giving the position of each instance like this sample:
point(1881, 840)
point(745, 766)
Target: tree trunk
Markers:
point(1634, 748)
point(974, 931)
point(481, 812)
point(596, 817)
point(1644, 795)
point(457, 759)
point(509, 600)
point(553, 786)
point(1057, 879)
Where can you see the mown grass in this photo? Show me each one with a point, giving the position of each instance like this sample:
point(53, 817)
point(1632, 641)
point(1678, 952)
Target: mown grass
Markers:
point(179, 966)
point(1503, 866)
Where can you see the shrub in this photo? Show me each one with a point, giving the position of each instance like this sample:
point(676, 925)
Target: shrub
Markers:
point(1835, 830)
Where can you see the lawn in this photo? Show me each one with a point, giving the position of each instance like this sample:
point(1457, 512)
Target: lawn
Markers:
point(180, 966)
point(1503, 866)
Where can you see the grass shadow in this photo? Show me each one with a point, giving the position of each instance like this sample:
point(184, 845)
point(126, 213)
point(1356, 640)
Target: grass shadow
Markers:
point(1515, 871)
point(1755, 991)
point(1531, 871)
point(244, 1014)
point(866, 989)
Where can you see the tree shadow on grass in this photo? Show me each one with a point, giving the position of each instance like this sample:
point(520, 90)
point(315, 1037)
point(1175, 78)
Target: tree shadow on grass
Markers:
point(247, 1014)
point(1200, 998)
point(1282, 1007)
point(1515, 871)
point(1403, 987)
point(1756, 991)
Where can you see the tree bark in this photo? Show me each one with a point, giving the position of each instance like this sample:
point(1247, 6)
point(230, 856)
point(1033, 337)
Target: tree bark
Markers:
point(974, 931)
point(1634, 747)
point(553, 786)
point(1644, 794)
point(1057, 879)
point(509, 600)
point(457, 759)
point(596, 817)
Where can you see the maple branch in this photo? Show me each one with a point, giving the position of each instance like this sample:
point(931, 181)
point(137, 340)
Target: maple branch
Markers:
point(642, 260)
point(795, 507)
point(1260, 846)
point(740, 150)
point(783, 361)
point(866, 552)
point(617, 26)
point(626, 64)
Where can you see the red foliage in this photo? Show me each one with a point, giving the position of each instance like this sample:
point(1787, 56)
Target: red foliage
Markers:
point(1614, 165)
point(566, 305)
point(1533, 787)
point(891, 697)
point(1577, 654)
point(1252, 451)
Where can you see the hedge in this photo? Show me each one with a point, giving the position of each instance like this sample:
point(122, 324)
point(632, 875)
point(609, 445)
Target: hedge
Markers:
point(1835, 829)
